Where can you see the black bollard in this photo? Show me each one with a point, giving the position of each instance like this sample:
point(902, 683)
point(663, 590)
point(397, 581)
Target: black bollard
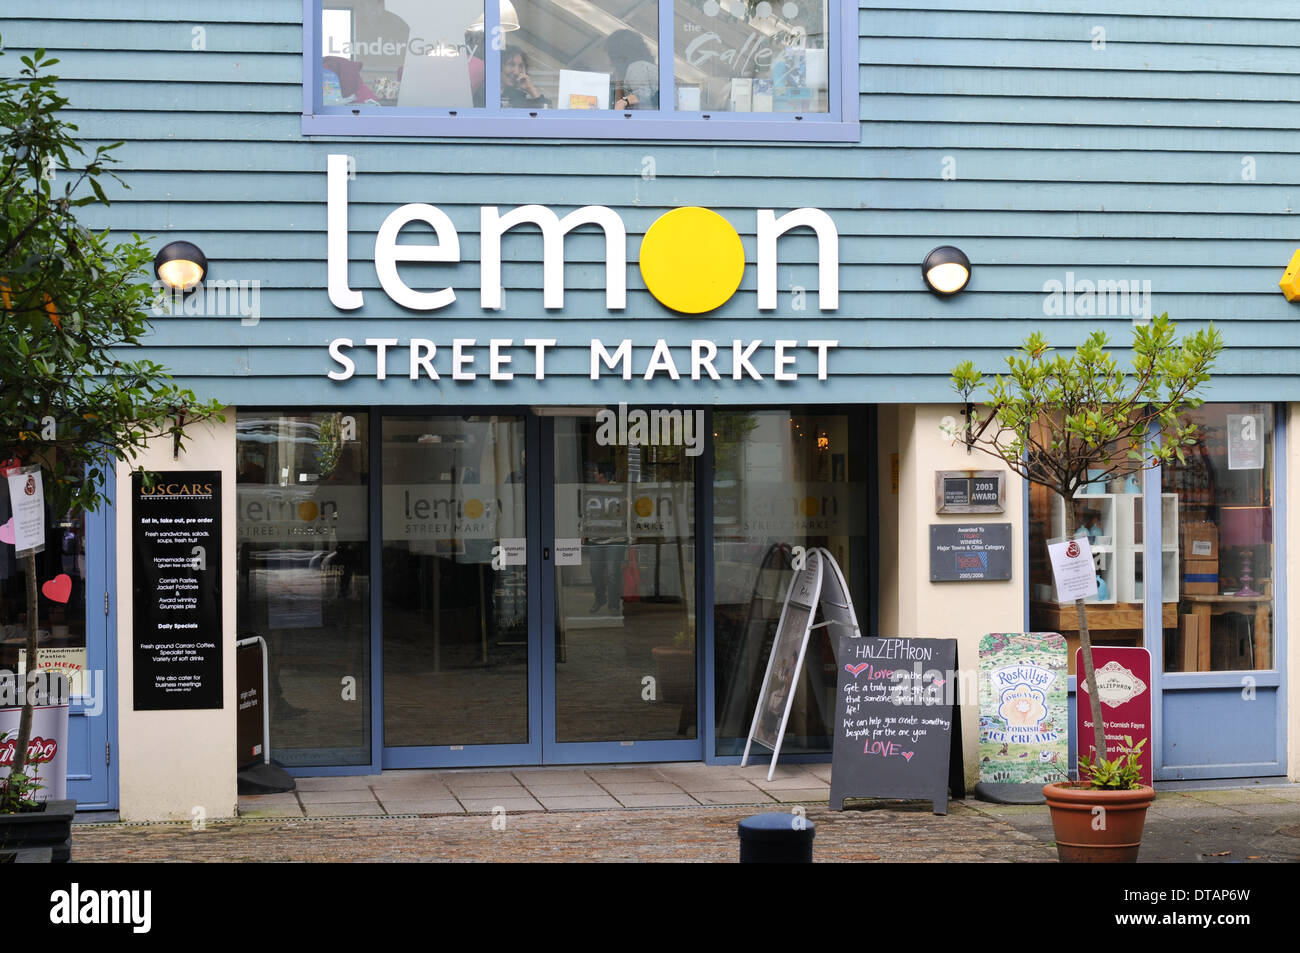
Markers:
point(776, 839)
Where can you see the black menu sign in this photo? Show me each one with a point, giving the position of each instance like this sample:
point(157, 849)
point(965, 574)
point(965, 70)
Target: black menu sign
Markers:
point(897, 721)
point(176, 560)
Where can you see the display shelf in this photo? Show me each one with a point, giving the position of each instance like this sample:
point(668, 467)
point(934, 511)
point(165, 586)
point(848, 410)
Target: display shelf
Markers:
point(1118, 518)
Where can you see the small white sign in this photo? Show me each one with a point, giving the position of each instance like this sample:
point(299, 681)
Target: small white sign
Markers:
point(1072, 568)
point(27, 497)
point(68, 662)
point(514, 552)
point(1245, 442)
point(568, 552)
point(1202, 547)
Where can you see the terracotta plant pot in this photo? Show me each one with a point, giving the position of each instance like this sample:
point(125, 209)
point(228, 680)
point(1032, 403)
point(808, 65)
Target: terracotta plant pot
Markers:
point(1087, 835)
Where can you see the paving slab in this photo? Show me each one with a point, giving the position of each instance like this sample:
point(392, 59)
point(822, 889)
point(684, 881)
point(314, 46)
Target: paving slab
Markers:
point(272, 810)
point(1234, 797)
point(799, 796)
point(679, 799)
point(477, 779)
point(753, 796)
point(510, 804)
point(348, 783)
point(336, 796)
point(427, 806)
point(344, 808)
point(586, 802)
point(590, 789)
point(618, 788)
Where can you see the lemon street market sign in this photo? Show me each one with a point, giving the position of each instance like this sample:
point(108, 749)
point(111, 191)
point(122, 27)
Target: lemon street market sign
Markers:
point(691, 260)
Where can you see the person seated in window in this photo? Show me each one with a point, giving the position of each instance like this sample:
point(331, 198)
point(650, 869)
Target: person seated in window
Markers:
point(517, 89)
point(636, 77)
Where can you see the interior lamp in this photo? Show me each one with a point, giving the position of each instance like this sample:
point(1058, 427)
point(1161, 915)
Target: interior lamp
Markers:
point(946, 270)
point(509, 19)
point(180, 266)
point(1244, 528)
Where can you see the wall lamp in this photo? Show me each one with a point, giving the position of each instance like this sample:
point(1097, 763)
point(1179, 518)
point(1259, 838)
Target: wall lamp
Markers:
point(946, 270)
point(180, 266)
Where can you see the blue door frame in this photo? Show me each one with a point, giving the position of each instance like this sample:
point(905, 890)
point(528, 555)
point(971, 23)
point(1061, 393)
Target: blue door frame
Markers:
point(1215, 717)
point(92, 719)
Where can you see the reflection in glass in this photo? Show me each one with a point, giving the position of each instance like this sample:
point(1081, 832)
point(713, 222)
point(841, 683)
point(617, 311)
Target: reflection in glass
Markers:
point(455, 583)
point(625, 659)
point(1108, 512)
point(586, 54)
point(741, 56)
point(782, 479)
point(61, 632)
point(408, 53)
point(303, 558)
point(1224, 548)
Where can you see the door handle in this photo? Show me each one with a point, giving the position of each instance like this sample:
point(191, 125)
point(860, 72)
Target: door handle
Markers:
point(546, 552)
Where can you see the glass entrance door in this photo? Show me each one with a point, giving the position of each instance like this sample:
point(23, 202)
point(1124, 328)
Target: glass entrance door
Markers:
point(539, 588)
point(461, 681)
point(621, 656)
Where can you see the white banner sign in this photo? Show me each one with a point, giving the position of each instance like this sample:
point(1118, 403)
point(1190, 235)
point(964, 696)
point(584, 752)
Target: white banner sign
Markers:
point(1072, 569)
point(27, 497)
point(1245, 442)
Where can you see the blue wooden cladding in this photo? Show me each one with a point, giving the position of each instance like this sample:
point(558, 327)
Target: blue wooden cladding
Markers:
point(1146, 142)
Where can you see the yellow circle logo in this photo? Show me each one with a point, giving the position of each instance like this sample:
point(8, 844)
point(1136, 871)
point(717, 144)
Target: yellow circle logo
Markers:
point(474, 508)
point(644, 506)
point(810, 506)
point(692, 260)
point(308, 511)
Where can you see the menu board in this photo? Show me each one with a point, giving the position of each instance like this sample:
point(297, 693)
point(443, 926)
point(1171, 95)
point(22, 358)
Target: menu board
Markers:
point(176, 561)
point(250, 734)
point(897, 721)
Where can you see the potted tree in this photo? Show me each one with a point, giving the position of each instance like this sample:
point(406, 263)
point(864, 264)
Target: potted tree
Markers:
point(1066, 420)
point(73, 303)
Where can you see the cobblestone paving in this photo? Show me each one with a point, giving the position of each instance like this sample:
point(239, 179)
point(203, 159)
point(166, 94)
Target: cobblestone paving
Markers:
point(697, 834)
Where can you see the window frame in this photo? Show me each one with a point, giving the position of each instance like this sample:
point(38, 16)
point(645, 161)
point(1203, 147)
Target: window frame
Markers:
point(839, 124)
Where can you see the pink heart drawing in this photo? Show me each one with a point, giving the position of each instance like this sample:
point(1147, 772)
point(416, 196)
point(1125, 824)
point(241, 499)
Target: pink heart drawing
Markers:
point(7, 532)
point(907, 755)
point(59, 588)
point(940, 681)
point(856, 670)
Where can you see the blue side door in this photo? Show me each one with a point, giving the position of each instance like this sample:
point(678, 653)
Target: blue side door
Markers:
point(91, 772)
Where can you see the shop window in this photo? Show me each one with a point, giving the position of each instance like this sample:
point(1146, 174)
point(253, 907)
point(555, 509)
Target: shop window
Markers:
point(61, 633)
point(691, 69)
point(1215, 567)
point(1224, 547)
point(783, 480)
point(1110, 513)
point(303, 560)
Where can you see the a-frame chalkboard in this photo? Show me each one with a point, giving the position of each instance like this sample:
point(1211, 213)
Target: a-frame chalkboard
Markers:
point(897, 721)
